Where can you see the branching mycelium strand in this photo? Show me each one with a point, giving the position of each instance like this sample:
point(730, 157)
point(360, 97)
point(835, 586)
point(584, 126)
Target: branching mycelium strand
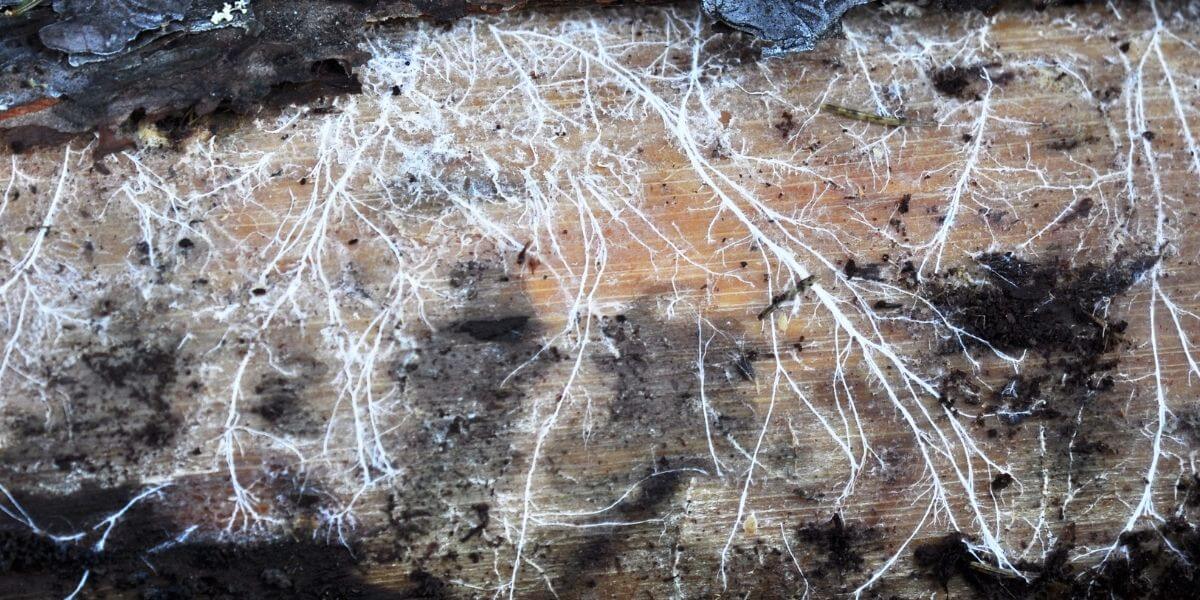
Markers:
point(512, 136)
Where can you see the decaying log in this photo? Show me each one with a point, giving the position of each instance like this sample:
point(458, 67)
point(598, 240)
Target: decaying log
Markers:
point(600, 303)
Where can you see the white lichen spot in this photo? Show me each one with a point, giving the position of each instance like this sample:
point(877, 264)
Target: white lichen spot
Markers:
point(225, 15)
point(903, 8)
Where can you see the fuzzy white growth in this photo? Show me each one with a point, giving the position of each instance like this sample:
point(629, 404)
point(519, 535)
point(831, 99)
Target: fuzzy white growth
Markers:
point(1140, 145)
point(542, 135)
point(25, 303)
point(749, 210)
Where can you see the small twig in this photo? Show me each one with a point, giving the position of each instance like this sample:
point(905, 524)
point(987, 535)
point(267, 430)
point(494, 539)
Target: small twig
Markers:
point(787, 296)
point(983, 567)
point(22, 8)
point(867, 117)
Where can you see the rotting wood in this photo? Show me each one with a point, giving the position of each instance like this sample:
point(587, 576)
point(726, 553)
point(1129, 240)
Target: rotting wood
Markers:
point(492, 322)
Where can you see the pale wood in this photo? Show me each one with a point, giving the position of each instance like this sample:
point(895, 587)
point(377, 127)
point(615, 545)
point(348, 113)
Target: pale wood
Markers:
point(1066, 81)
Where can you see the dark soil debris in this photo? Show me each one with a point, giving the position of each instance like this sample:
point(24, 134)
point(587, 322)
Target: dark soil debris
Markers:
point(139, 559)
point(1048, 307)
point(116, 410)
point(501, 329)
point(1145, 567)
point(871, 271)
point(838, 543)
point(968, 82)
point(602, 547)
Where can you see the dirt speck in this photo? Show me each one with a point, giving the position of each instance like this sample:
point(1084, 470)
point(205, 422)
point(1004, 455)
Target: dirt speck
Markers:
point(838, 543)
point(283, 397)
point(967, 82)
point(786, 125)
point(500, 329)
point(871, 271)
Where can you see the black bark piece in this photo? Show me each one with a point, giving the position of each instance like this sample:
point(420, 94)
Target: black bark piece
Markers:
point(791, 25)
point(71, 67)
point(106, 27)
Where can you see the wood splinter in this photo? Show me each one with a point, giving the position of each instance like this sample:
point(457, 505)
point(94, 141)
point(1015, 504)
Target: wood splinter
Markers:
point(786, 296)
point(21, 8)
point(987, 569)
point(867, 117)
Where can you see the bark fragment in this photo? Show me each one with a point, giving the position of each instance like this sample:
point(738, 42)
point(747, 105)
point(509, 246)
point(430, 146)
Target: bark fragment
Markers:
point(75, 66)
point(791, 25)
point(69, 67)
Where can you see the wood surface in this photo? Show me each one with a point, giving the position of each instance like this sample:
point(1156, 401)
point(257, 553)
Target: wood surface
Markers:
point(494, 323)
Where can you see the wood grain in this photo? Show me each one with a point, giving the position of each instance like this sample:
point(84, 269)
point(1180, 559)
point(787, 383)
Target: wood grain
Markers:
point(461, 315)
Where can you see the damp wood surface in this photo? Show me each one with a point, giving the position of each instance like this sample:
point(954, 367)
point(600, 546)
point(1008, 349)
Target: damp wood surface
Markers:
point(495, 326)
